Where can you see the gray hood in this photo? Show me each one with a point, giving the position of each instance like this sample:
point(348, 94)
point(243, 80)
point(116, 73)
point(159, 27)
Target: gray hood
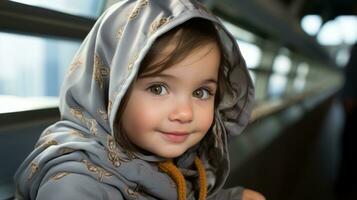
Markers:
point(98, 78)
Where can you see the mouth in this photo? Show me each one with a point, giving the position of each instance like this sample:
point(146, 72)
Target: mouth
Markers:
point(175, 137)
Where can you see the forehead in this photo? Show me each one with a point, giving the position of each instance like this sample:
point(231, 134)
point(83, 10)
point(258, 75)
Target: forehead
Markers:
point(202, 62)
point(174, 47)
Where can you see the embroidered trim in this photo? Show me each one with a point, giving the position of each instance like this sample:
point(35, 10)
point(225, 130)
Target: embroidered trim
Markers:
point(132, 61)
point(158, 23)
point(113, 153)
point(110, 105)
point(75, 65)
point(76, 133)
point(66, 150)
point(59, 175)
point(33, 170)
point(131, 193)
point(141, 4)
point(101, 72)
point(119, 33)
point(110, 102)
point(90, 123)
point(103, 114)
point(77, 113)
point(99, 171)
point(46, 144)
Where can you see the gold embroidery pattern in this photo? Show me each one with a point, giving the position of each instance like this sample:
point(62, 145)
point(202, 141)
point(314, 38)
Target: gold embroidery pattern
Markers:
point(99, 171)
point(46, 144)
point(119, 33)
point(76, 64)
point(159, 23)
point(76, 133)
point(101, 72)
point(131, 63)
point(77, 113)
point(103, 114)
point(113, 153)
point(66, 150)
point(110, 102)
point(59, 175)
point(110, 105)
point(131, 193)
point(33, 170)
point(140, 6)
point(90, 123)
point(49, 143)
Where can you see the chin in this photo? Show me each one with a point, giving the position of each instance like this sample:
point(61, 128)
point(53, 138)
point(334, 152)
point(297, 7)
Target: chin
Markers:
point(172, 154)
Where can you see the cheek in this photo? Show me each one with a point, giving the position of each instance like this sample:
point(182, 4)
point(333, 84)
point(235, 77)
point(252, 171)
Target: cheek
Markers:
point(205, 118)
point(139, 116)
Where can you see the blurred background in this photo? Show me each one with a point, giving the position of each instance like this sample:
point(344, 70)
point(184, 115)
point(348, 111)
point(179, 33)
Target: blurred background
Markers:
point(299, 143)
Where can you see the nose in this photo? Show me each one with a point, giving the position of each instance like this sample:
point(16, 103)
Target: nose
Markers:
point(182, 111)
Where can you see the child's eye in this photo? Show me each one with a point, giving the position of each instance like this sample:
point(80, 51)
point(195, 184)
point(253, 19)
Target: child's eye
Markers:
point(202, 93)
point(158, 89)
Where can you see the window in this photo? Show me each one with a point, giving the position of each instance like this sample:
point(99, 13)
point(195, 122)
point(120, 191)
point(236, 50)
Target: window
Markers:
point(300, 78)
point(341, 30)
point(246, 41)
point(278, 80)
point(277, 85)
point(311, 24)
point(251, 53)
point(85, 8)
point(282, 64)
point(33, 66)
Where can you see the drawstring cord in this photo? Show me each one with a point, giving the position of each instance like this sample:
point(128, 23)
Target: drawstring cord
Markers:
point(169, 168)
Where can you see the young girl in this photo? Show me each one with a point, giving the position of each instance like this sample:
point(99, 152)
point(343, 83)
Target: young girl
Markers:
point(147, 108)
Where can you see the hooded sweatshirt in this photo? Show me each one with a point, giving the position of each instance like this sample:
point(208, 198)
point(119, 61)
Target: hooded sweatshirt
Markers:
point(78, 157)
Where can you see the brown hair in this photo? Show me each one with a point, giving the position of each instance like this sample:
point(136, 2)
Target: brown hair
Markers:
point(188, 36)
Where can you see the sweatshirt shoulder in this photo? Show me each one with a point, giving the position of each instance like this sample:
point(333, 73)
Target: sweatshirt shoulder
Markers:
point(76, 186)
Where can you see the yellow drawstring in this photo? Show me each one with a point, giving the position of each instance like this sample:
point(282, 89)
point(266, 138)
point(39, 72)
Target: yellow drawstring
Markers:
point(202, 178)
point(169, 168)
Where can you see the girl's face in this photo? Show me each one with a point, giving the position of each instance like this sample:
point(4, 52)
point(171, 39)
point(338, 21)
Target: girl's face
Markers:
point(169, 112)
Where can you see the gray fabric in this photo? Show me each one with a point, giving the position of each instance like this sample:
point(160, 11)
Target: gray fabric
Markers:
point(80, 149)
point(74, 189)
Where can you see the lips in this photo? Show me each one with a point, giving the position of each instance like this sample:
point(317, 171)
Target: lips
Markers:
point(176, 137)
point(176, 133)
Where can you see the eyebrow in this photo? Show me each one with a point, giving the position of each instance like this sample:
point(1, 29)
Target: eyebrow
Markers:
point(209, 80)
